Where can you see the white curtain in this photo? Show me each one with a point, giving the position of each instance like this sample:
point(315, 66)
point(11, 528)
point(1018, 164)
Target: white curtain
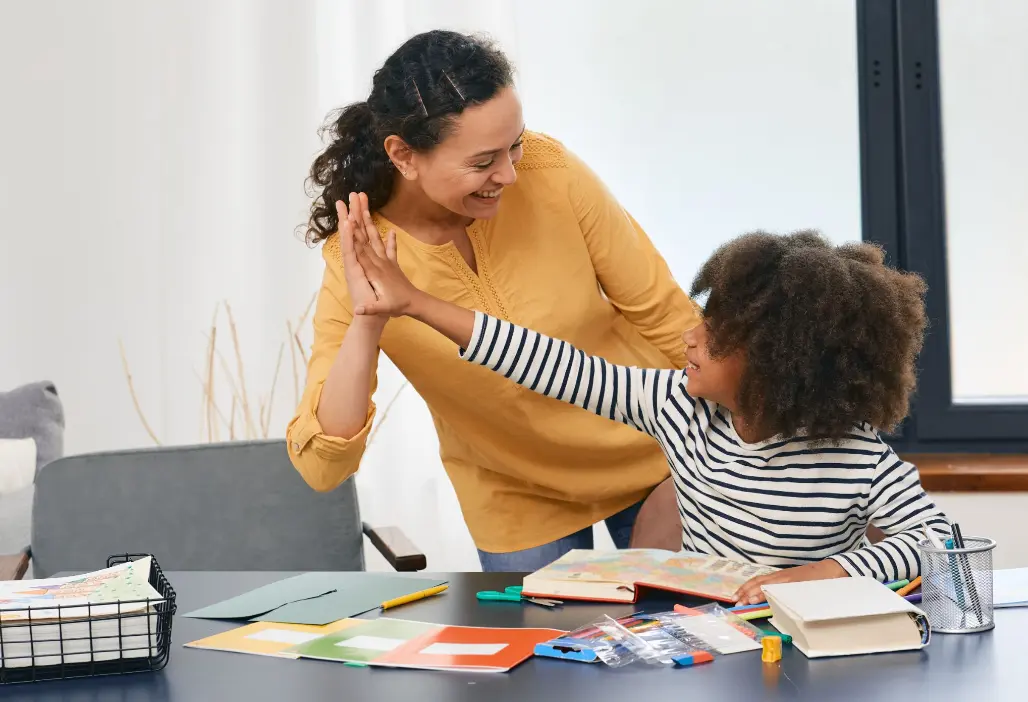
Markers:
point(154, 152)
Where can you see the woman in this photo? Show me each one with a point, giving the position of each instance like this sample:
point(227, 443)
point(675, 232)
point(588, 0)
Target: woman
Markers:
point(491, 217)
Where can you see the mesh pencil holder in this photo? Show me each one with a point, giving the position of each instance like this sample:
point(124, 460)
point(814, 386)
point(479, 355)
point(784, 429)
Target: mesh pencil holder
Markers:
point(956, 586)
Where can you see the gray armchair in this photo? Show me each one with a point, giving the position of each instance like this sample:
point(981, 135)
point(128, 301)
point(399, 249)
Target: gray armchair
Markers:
point(230, 506)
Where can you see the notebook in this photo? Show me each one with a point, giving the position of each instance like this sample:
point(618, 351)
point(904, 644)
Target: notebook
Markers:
point(391, 643)
point(616, 576)
point(397, 643)
point(846, 616)
point(80, 618)
point(1010, 587)
point(268, 638)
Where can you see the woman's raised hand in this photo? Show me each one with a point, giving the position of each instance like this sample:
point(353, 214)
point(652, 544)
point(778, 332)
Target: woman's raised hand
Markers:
point(355, 229)
point(394, 293)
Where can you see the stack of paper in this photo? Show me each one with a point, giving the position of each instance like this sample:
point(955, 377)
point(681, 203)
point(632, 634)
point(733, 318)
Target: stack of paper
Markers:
point(80, 618)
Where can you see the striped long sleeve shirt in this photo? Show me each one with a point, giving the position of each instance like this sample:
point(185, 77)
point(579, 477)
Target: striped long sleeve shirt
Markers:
point(781, 502)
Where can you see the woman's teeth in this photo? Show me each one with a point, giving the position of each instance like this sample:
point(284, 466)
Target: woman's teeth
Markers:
point(488, 194)
point(692, 366)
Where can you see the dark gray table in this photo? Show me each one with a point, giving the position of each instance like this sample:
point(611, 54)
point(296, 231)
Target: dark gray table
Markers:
point(982, 667)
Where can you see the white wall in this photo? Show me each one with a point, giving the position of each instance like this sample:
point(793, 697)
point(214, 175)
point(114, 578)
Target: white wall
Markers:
point(984, 61)
point(153, 164)
point(998, 516)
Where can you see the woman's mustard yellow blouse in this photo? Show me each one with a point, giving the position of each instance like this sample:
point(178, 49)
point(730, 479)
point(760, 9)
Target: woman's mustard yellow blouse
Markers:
point(561, 257)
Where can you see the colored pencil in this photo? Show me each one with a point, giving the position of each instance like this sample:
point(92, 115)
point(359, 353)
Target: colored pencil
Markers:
point(753, 614)
point(909, 587)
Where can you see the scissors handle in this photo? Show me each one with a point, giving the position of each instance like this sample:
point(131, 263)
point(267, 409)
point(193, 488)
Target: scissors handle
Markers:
point(490, 596)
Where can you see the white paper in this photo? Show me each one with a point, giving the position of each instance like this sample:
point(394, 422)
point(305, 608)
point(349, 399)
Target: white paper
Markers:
point(372, 643)
point(284, 636)
point(464, 649)
point(724, 637)
point(1010, 587)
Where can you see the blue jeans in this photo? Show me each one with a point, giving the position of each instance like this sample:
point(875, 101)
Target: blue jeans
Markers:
point(532, 559)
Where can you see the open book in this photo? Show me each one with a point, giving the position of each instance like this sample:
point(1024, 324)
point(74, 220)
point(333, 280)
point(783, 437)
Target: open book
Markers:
point(617, 576)
point(846, 616)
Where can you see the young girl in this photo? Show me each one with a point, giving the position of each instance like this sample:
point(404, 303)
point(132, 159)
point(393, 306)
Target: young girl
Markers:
point(770, 430)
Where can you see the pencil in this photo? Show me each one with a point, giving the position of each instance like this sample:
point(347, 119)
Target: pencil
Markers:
point(414, 597)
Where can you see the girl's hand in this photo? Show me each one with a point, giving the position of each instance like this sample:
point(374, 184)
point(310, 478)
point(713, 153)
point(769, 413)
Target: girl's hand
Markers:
point(750, 592)
point(394, 293)
point(355, 228)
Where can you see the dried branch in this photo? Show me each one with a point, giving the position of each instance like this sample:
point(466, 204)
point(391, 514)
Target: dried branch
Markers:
point(299, 345)
point(209, 383)
point(214, 404)
point(306, 312)
point(296, 375)
point(132, 392)
point(251, 430)
point(271, 395)
point(385, 413)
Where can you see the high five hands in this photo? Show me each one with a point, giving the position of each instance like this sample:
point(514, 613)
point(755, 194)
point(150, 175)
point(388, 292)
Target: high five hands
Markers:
point(377, 285)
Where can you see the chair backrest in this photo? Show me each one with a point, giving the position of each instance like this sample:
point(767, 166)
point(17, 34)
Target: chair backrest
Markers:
point(659, 525)
point(230, 506)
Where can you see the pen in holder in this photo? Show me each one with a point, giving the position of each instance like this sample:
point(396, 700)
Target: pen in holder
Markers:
point(956, 585)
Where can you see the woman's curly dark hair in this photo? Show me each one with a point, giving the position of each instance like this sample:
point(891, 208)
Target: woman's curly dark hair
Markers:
point(830, 333)
point(416, 94)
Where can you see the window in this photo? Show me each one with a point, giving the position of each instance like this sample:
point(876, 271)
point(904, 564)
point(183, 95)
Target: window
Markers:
point(942, 112)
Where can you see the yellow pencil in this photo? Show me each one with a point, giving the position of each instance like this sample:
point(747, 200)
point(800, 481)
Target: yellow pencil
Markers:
point(414, 597)
point(907, 589)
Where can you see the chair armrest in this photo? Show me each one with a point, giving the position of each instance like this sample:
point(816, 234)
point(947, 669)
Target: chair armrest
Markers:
point(397, 549)
point(13, 567)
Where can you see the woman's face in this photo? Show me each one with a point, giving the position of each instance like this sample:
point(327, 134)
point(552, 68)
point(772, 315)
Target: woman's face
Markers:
point(467, 172)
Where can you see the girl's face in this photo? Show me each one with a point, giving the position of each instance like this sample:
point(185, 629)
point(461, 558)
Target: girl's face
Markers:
point(713, 379)
point(468, 171)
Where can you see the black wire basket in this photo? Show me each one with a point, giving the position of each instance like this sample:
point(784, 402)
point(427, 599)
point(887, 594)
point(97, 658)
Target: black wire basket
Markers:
point(134, 638)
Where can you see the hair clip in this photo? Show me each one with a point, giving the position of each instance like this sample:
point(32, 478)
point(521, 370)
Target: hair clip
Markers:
point(453, 85)
point(418, 92)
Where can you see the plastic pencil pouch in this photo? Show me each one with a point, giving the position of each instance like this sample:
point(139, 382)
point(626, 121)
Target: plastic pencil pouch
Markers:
point(714, 628)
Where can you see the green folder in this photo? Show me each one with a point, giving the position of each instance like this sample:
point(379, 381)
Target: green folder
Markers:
point(316, 598)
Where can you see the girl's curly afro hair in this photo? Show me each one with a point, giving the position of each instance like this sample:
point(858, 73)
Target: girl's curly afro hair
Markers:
point(830, 333)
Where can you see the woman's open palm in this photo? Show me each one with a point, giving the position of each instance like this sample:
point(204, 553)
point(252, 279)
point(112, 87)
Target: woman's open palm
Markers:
point(355, 228)
point(393, 292)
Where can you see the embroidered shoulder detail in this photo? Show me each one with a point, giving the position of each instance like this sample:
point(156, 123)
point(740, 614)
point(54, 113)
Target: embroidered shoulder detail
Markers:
point(330, 248)
point(541, 151)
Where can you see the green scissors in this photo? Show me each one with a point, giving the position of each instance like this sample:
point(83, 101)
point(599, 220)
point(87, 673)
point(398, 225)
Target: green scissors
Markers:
point(513, 594)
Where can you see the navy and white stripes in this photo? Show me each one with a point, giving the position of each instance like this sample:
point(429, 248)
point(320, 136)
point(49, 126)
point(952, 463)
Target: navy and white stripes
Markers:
point(779, 502)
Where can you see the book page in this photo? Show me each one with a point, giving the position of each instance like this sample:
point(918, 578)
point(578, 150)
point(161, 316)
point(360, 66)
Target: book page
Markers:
point(93, 591)
point(707, 576)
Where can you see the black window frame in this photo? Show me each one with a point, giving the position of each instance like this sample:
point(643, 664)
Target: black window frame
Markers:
point(903, 210)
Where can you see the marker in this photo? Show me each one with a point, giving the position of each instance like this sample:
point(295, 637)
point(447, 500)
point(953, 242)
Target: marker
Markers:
point(754, 614)
point(909, 587)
